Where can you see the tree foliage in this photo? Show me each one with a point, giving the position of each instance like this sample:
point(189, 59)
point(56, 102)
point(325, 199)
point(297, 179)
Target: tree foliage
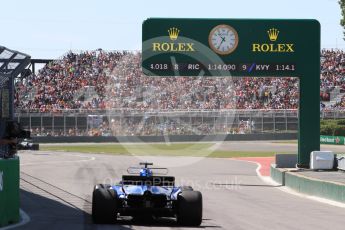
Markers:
point(342, 20)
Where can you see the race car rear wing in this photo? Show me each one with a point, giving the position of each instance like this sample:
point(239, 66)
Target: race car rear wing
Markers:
point(155, 171)
point(148, 181)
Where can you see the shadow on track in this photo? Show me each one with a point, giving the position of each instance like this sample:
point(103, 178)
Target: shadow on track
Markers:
point(48, 213)
point(51, 213)
point(160, 222)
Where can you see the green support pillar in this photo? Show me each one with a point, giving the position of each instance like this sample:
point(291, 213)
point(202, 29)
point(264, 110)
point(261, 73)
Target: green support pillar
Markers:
point(9, 191)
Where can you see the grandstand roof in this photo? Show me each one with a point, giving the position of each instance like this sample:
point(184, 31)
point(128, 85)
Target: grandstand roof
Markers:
point(12, 62)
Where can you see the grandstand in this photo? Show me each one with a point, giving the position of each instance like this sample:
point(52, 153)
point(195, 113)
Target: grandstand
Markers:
point(112, 84)
point(332, 85)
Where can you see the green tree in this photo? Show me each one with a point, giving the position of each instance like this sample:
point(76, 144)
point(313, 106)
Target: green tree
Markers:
point(342, 20)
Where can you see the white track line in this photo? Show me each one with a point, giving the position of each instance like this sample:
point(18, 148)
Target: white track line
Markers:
point(24, 219)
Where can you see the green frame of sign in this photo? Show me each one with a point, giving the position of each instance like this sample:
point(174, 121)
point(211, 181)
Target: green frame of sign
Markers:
point(293, 52)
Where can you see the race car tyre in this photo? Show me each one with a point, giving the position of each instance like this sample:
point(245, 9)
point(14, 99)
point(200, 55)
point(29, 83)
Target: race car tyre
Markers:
point(104, 204)
point(186, 188)
point(189, 211)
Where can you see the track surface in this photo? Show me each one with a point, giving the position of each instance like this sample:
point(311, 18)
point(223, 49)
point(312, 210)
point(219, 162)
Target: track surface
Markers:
point(278, 147)
point(56, 193)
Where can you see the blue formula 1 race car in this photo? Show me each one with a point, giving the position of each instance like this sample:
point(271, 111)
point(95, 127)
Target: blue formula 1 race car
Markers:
point(145, 195)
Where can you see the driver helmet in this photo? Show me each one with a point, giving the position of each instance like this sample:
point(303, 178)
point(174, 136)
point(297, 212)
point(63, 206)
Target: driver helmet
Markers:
point(145, 172)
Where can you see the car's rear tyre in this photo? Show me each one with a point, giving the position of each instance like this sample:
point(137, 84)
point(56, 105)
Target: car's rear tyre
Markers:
point(104, 204)
point(189, 211)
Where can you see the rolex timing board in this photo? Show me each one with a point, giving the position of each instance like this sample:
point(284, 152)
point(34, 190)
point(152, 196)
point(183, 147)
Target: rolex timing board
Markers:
point(242, 48)
point(223, 47)
point(242, 67)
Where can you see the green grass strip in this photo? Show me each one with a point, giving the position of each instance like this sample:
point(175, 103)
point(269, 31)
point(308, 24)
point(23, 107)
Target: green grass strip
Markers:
point(189, 149)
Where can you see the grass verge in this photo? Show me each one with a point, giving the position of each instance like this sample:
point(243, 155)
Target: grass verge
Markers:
point(188, 149)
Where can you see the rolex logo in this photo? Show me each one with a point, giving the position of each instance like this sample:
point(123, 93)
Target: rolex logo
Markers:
point(173, 46)
point(173, 33)
point(273, 34)
point(273, 47)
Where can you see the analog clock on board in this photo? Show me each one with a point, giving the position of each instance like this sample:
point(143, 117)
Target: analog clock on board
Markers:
point(223, 39)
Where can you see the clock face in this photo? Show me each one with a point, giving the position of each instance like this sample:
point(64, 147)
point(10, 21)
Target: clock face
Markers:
point(223, 39)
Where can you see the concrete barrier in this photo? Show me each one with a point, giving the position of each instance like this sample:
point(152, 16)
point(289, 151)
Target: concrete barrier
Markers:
point(9, 191)
point(170, 138)
point(278, 174)
point(314, 187)
point(307, 185)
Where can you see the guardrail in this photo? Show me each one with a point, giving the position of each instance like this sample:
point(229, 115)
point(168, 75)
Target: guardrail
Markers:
point(129, 111)
point(324, 114)
point(170, 138)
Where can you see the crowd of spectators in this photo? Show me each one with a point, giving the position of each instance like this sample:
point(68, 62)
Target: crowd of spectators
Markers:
point(333, 76)
point(59, 85)
point(118, 83)
point(332, 70)
point(103, 81)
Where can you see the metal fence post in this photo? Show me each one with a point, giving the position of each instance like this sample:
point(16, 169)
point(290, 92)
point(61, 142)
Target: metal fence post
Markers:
point(262, 123)
point(41, 125)
point(64, 125)
point(274, 122)
point(53, 125)
point(30, 122)
point(286, 123)
point(76, 124)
